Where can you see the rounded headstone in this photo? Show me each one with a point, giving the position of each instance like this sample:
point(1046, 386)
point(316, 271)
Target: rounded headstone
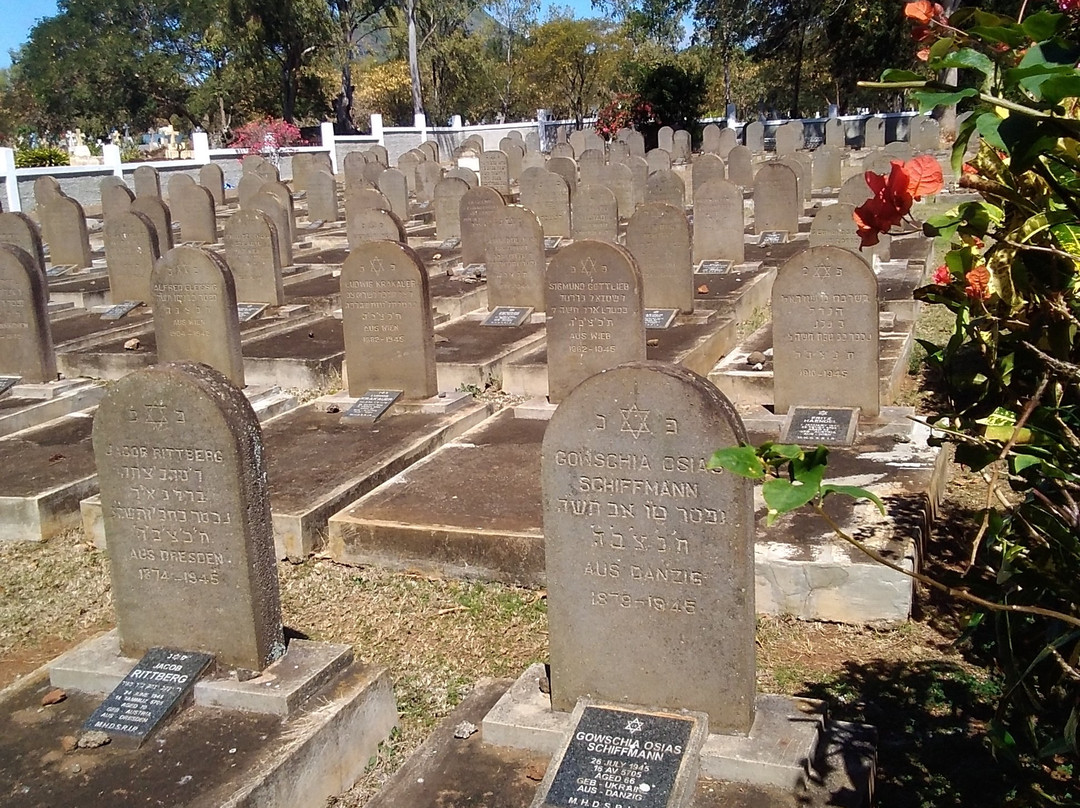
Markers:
point(25, 339)
point(253, 256)
point(131, 249)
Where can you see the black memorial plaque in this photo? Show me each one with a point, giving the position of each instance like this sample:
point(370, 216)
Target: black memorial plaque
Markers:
point(249, 311)
point(551, 242)
point(7, 382)
point(370, 407)
point(508, 316)
point(58, 270)
point(660, 318)
point(773, 237)
point(829, 426)
point(714, 267)
point(154, 689)
point(620, 758)
point(450, 244)
point(121, 310)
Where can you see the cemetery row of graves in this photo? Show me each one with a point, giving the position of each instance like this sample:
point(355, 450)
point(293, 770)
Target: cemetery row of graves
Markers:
point(206, 380)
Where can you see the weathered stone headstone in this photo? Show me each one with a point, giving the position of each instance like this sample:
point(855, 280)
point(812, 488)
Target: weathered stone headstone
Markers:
point(660, 550)
point(710, 139)
point(367, 196)
point(595, 313)
point(195, 311)
point(834, 226)
point(617, 152)
point(253, 256)
point(381, 155)
point(566, 168)
point(925, 134)
point(301, 170)
point(878, 162)
point(447, 207)
point(178, 181)
point(251, 163)
point(352, 169)
point(407, 164)
point(658, 160)
point(658, 236)
point(46, 189)
point(187, 516)
point(577, 142)
point(590, 162)
point(666, 186)
point(194, 212)
point(639, 177)
point(728, 141)
point(740, 167)
point(466, 175)
point(495, 171)
point(854, 191)
point(706, 167)
point(789, 137)
point(899, 150)
point(803, 163)
point(25, 340)
point(564, 150)
point(619, 179)
point(754, 135)
point(874, 133)
point(719, 222)
point(665, 139)
point(428, 175)
point(680, 149)
point(548, 197)
point(386, 316)
point(147, 181)
point(158, 213)
point(533, 159)
point(372, 170)
point(268, 203)
point(268, 171)
point(371, 224)
point(825, 332)
point(826, 173)
point(115, 199)
point(131, 249)
point(431, 149)
point(635, 142)
point(212, 178)
point(247, 188)
point(477, 209)
point(515, 259)
point(20, 230)
point(835, 135)
point(515, 152)
point(63, 227)
point(594, 214)
point(322, 197)
point(393, 184)
point(776, 198)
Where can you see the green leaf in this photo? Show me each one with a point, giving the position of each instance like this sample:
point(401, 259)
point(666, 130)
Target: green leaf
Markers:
point(965, 57)
point(1067, 237)
point(1011, 35)
point(741, 460)
point(783, 496)
point(1019, 462)
point(975, 456)
point(808, 474)
point(788, 451)
point(854, 492)
point(1040, 222)
point(987, 124)
point(941, 47)
point(1042, 25)
point(1057, 88)
point(901, 75)
point(928, 99)
point(959, 149)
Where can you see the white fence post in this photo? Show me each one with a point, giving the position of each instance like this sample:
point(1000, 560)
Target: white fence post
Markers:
point(200, 147)
point(11, 181)
point(377, 128)
point(110, 158)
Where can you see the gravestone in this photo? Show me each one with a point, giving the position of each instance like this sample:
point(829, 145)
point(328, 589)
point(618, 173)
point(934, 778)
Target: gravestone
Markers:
point(21, 231)
point(352, 169)
point(247, 188)
point(589, 163)
point(533, 159)
point(706, 167)
point(428, 175)
point(547, 196)
point(802, 174)
point(476, 211)
point(394, 187)
point(194, 212)
point(147, 181)
point(754, 135)
point(719, 222)
point(431, 149)
point(899, 150)
point(566, 168)
point(728, 141)
point(619, 179)
point(879, 163)
point(322, 197)
point(466, 175)
point(577, 142)
point(660, 550)
point(372, 170)
point(639, 177)
point(532, 142)
point(115, 199)
point(514, 152)
point(447, 207)
point(854, 191)
point(740, 167)
point(825, 332)
point(387, 321)
point(381, 155)
point(813, 426)
point(834, 226)
point(835, 135)
point(595, 314)
point(212, 178)
point(495, 171)
point(158, 213)
point(371, 224)
point(301, 170)
point(658, 160)
point(63, 228)
point(658, 236)
point(826, 171)
point(131, 249)
point(776, 199)
point(46, 189)
point(195, 311)
point(594, 214)
point(515, 259)
point(563, 150)
point(925, 134)
point(635, 142)
point(187, 517)
point(253, 257)
point(251, 163)
point(874, 133)
point(710, 139)
point(666, 186)
point(680, 149)
point(617, 152)
point(367, 196)
point(178, 181)
point(665, 139)
point(407, 164)
point(268, 171)
point(267, 203)
point(789, 137)
point(25, 339)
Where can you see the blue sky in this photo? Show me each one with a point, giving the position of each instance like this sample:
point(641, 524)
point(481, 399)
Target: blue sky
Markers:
point(19, 16)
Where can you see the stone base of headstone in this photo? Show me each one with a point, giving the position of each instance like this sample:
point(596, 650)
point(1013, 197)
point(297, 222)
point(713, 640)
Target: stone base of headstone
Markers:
point(56, 308)
point(467, 354)
point(467, 764)
point(469, 510)
point(785, 735)
point(300, 733)
point(83, 291)
point(30, 405)
point(539, 409)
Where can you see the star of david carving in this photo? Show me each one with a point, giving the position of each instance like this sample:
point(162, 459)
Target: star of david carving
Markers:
point(155, 414)
point(634, 725)
point(588, 266)
point(635, 421)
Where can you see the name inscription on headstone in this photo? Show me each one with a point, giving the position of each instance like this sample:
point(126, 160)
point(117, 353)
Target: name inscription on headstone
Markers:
point(149, 694)
point(370, 406)
point(660, 318)
point(830, 426)
point(773, 237)
point(623, 758)
point(714, 267)
point(121, 310)
point(508, 316)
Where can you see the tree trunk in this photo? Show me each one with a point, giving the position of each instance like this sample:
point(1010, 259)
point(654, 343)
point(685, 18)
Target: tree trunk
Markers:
point(794, 113)
point(414, 61)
